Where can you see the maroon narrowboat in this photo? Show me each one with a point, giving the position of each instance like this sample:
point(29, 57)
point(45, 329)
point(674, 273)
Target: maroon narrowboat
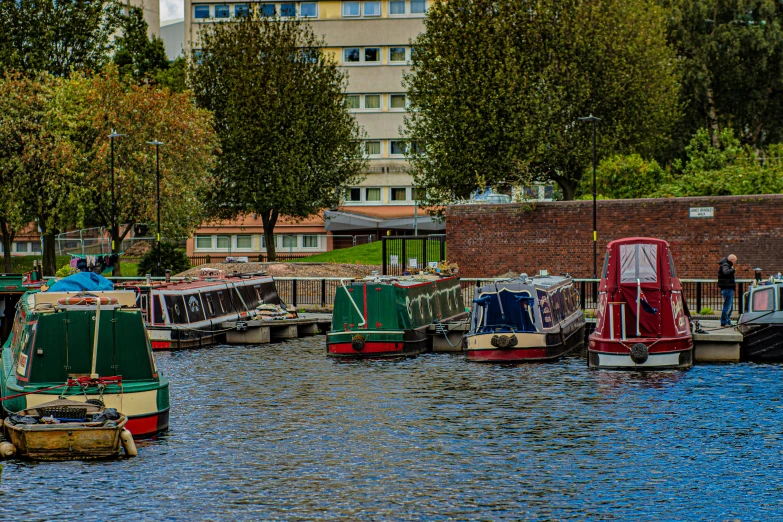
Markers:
point(642, 319)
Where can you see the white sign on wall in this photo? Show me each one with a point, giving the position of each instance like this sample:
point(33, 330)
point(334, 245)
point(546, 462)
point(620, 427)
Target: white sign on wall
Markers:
point(413, 262)
point(701, 212)
point(394, 260)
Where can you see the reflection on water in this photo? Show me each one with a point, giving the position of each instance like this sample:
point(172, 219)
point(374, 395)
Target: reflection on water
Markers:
point(281, 432)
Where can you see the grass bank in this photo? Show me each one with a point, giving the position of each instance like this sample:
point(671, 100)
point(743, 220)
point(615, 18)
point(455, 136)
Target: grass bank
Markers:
point(372, 254)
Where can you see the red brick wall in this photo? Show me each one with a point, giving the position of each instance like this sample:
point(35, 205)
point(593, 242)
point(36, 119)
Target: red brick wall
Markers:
point(490, 240)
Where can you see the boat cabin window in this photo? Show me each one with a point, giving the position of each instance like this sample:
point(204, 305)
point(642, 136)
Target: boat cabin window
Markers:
point(157, 311)
point(764, 300)
point(672, 270)
point(210, 305)
point(144, 304)
point(195, 308)
point(546, 309)
point(175, 305)
point(640, 262)
point(222, 302)
point(606, 266)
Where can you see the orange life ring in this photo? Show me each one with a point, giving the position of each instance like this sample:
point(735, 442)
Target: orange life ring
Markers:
point(87, 300)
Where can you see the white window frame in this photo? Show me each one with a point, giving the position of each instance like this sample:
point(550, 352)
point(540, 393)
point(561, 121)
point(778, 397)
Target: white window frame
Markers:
point(279, 8)
point(286, 236)
point(393, 155)
point(209, 10)
point(227, 6)
point(235, 242)
point(379, 201)
point(309, 17)
point(380, 151)
point(406, 9)
point(404, 106)
point(351, 201)
point(211, 242)
point(405, 201)
point(406, 52)
point(342, 9)
point(317, 242)
point(363, 102)
point(362, 61)
point(364, 8)
point(222, 249)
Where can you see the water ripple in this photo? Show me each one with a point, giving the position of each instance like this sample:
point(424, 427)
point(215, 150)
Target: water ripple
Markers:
point(281, 432)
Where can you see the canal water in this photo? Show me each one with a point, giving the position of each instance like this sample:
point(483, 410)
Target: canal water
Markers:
point(281, 432)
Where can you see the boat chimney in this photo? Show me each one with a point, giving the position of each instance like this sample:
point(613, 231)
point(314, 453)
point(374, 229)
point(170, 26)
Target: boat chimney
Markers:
point(757, 274)
point(168, 275)
point(149, 279)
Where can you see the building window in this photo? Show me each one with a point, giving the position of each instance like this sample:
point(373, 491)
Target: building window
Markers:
point(240, 10)
point(351, 55)
point(372, 101)
point(290, 241)
point(201, 11)
point(397, 148)
point(372, 148)
point(418, 6)
point(396, 54)
point(417, 194)
point(372, 194)
point(21, 247)
point(372, 54)
point(268, 10)
point(350, 9)
point(397, 101)
point(353, 194)
point(372, 9)
point(308, 10)
point(288, 10)
point(35, 247)
point(204, 242)
point(399, 194)
point(222, 11)
point(223, 242)
point(397, 7)
point(352, 101)
point(245, 242)
point(309, 241)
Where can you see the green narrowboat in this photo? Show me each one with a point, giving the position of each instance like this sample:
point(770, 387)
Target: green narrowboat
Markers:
point(389, 316)
point(82, 346)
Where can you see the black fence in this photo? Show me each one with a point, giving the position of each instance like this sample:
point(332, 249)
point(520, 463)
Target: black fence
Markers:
point(308, 291)
point(700, 294)
point(401, 252)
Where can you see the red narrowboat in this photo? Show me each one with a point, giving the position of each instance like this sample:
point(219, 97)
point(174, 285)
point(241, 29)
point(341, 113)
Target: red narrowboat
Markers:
point(642, 319)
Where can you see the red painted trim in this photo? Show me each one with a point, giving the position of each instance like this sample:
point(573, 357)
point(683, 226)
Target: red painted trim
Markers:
point(148, 425)
point(664, 345)
point(161, 345)
point(369, 347)
point(365, 306)
point(509, 355)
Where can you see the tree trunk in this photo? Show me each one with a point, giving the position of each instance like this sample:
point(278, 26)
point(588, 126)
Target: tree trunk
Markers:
point(116, 242)
point(49, 254)
point(269, 219)
point(8, 240)
point(712, 118)
point(569, 187)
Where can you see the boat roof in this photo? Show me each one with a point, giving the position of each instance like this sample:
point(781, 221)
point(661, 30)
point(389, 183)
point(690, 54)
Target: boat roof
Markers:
point(411, 280)
point(519, 284)
point(635, 240)
point(195, 284)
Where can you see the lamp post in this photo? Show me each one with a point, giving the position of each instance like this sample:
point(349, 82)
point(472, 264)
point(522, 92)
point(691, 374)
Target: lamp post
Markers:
point(157, 195)
point(114, 227)
point(415, 213)
point(593, 120)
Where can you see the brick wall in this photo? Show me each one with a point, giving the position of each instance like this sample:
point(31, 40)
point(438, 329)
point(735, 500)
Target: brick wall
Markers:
point(490, 240)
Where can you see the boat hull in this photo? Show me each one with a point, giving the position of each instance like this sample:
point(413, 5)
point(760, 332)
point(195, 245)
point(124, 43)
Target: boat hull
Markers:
point(363, 345)
point(762, 343)
point(663, 354)
point(530, 347)
point(64, 441)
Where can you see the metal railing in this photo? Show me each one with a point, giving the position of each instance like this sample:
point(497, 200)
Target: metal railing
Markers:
point(400, 252)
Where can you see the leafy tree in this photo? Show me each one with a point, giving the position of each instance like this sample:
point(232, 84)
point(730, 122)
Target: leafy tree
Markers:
point(57, 36)
point(173, 78)
point(144, 113)
point(497, 86)
point(171, 257)
point(288, 143)
point(731, 53)
point(137, 55)
point(624, 177)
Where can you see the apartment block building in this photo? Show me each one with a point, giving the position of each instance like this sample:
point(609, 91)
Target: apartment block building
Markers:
point(371, 41)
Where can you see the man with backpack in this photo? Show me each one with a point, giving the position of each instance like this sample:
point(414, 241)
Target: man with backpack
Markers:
point(726, 283)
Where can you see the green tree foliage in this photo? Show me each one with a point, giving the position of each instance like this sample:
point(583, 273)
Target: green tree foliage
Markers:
point(624, 177)
point(289, 146)
point(137, 55)
point(173, 78)
point(497, 87)
point(731, 53)
point(171, 257)
point(57, 36)
point(145, 113)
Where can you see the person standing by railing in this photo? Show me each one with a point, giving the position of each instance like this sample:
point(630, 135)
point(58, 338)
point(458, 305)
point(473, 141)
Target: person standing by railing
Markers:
point(726, 283)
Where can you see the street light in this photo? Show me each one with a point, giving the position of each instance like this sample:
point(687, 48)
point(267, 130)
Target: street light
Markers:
point(157, 197)
point(593, 120)
point(114, 228)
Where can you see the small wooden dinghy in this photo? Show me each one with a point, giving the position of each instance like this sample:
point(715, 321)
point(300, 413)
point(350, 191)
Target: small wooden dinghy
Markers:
point(64, 429)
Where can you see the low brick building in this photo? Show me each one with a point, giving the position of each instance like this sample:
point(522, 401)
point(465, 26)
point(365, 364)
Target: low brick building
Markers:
point(490, 240)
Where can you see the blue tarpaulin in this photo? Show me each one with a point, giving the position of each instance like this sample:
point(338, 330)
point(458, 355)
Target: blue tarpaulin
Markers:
point(83, 281)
